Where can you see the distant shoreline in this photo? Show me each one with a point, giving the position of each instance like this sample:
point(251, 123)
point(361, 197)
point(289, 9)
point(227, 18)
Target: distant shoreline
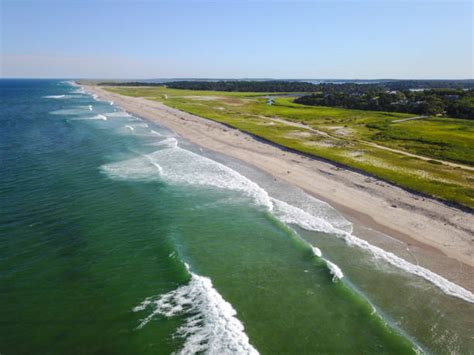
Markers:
point(434, 235)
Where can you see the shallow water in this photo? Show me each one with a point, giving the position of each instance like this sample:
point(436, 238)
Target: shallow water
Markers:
point(117, 236)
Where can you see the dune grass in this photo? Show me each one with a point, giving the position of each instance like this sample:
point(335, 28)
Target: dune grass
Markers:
point(344, 136)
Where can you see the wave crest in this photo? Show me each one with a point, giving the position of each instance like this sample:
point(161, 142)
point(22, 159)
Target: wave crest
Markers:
point(178, 165)
point(294, 215)
point(181, 166)
point(211, 325)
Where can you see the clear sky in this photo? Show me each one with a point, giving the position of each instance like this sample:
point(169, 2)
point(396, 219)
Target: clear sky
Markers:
point(236, 39)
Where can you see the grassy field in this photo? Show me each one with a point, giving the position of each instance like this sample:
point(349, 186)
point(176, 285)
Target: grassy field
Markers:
point(345, 136)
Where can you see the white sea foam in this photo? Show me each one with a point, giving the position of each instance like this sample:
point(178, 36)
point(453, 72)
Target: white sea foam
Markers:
point(117, 114)
point(129, 127)
point(320, 209)
point(96, 117)
point(77, 111)
point(111, 103)
point(184, 167)
point(446, 286)
point(90, 107)
point(294, 215)
point(211, 326)
point(316, 251)
point(177, 165)
point(96, 98)
point(334, 270)
point(61, 97)
point(143, 125)
point(70, 82)
point(155, 164)
point(54, 97)
point(99, 117)
point(138, 169)
point(156, 133)
point(169, 142)
point(181, 166)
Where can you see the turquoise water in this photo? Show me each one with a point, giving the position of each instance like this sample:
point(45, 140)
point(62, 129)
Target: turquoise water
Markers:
point(118, 237)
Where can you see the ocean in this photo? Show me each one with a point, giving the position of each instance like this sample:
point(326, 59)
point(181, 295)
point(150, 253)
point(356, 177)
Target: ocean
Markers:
point(118, 237)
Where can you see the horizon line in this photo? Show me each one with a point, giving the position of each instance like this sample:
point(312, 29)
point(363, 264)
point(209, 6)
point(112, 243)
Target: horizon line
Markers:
point(235, 79)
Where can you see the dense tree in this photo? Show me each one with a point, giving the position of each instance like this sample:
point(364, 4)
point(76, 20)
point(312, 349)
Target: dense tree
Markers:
point(245, 86)
point(453, 98)
point(449, 102)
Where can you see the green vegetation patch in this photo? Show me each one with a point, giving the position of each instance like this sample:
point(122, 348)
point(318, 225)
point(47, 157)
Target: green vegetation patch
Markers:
point(344, 136)
point(443, 138)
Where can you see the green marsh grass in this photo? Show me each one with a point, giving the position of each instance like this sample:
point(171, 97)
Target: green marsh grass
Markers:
point(344, 136)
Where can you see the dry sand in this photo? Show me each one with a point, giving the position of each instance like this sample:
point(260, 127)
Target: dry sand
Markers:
point(426, 232)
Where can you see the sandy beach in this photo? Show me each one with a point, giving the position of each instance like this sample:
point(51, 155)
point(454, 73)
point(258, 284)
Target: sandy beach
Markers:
point(421, 230)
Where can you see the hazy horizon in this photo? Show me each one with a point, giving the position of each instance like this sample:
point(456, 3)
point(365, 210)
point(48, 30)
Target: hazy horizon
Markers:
point(228, 78)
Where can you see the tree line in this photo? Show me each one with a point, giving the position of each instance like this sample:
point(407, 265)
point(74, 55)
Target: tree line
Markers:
point(244, 86)
point(444, 102)
point(300, 85)
point(453, 98)
point(129, 83)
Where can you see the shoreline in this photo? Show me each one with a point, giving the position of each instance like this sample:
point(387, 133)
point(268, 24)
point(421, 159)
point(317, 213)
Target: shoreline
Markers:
point(431, 234)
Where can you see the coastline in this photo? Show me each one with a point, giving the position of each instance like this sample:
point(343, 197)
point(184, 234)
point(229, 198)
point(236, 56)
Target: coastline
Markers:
point(432, 234)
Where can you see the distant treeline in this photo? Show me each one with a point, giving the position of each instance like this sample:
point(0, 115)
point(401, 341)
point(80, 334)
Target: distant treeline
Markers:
point(301, 86)
point(448, 102)
point(453, 98)
point(230, 85)
point(129, 83)
point(429, 84)
point(244, 86)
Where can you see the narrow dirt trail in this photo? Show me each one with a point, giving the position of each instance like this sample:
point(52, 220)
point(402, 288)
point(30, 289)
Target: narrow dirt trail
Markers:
point(410, 119)
point(422, 157)
point(371, 144)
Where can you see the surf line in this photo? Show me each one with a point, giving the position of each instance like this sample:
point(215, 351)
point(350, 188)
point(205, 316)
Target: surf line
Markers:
point(212, 325)
point(292, 215)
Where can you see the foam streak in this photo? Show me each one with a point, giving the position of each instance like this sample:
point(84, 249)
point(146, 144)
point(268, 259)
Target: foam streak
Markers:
point(211, 326)
point(294, 215)
point(178, 165)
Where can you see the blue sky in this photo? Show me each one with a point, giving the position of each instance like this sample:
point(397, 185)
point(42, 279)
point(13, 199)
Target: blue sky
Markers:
point(236, 39)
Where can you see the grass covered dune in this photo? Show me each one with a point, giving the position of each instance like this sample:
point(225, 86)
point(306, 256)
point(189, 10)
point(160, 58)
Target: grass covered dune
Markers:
point(432, 156)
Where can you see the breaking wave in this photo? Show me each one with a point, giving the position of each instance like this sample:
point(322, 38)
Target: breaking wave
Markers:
point(177, 165)
point(96, 117)
point(293, 215)
point(54, 97)
point(79, 110)
point(118, 114)
point(184, 167)
point(334, 270)
point(59, 97)
point(99, 117)
point(211, 326)
point(170, 142)
point(79, 91)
